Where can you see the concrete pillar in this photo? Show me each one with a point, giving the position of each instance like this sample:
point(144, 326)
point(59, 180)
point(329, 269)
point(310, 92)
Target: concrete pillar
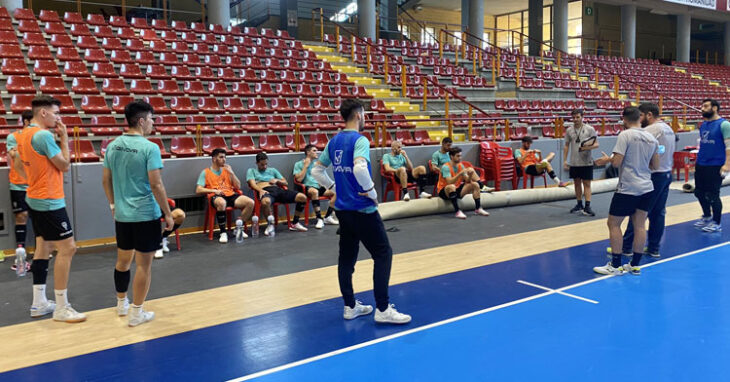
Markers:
point(464, 14)
point(12, 5)
point(476, 21)
point(628, 30)
point(286, 7)
point(727, 43)
point(366, 18)
point(684, 23)
point(534, 29)
point(560, 25)
point(219, 12)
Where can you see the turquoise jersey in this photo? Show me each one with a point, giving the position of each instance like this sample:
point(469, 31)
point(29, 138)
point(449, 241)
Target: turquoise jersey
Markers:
point(308, 179)
point(439, 159)
point(395, 162)
point(263, 176)
point(130, 158)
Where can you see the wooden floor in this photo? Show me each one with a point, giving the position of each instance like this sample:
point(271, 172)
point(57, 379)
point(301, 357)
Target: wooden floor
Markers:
point(46, 340)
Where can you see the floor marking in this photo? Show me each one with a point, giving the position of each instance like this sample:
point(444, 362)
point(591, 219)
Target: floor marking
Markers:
point(454, 319)
point(557, 291)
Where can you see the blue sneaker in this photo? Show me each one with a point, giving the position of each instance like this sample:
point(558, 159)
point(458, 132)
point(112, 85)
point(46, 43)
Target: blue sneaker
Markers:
point(712, 228)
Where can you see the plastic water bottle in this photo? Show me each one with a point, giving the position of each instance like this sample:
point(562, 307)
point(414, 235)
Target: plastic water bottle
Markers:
point(239, 231)
point(254, 227)
point(20, 262)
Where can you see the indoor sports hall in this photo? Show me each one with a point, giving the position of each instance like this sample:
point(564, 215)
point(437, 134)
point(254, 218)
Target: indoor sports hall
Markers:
point(503, 90)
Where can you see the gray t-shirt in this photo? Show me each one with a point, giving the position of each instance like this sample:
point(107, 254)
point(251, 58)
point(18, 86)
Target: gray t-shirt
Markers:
point(576, 157)
point(665, 135)
point(637, 146)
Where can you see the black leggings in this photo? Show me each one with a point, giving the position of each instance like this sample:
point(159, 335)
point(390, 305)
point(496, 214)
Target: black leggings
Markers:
point(356, 227)
point(707, 190)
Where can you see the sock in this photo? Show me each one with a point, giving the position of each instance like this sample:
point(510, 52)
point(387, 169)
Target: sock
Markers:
point(636, 259)
point(554, 177)
point(616, 260)
point(121, 280)
point(405, 191)
point(588, 203)
point(330, 210)
point(317, 210)
point(421, 181)
point(270, 219)
point(39, 295)
point(454, 201)
point(61, 297)
point(580, 203)
point(39, 269)
point(477, 204)
point(221, 218)
point(168, 233)
point(20, 235)
point(298, 209)
point(136, 309)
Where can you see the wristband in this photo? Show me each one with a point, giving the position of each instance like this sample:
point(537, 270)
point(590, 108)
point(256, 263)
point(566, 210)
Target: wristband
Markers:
point(111, 206)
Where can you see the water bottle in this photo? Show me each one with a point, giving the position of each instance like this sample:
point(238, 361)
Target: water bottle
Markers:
point(254, 227)
point(239, 231)
point(661, 150)
point(20, 262)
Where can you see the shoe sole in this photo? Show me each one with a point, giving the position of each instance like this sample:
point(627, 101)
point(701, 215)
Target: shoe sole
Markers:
point(359, 315)
point(74, 321)
point(392, 322)
point(40, 315)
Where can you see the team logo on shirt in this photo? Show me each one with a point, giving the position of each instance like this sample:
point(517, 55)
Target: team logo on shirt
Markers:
point(338, 157)
point(706, 139)
point(64, 225)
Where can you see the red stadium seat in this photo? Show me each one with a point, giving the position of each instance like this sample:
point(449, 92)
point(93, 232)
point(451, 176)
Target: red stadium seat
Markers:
point(104, 70)
point(73, 18)
point(87, 42)
point(79, 30)
point(281, 106)
point(271, 144)
point(243, 144)
point(130, 71)
point(53, 28)
point(20, 103)
point(85, 152)
point(48, 16)
point(276, 123)
point(28, 26)
point(135, 45)
point(209, 105)
point(219, 89)
point(102, 31)
point(242, 89)
point(213, 142)
point(227, 74)
point(118, 21)
point(16, 66)
point(258, 105)
point(404, 136)
point(119, 102)
point(20, 84)
point(84, 85)
point(67, 54)
point(182, 105)
point(168, 88)
point(204, 73)
point(227, 125)
point(290, 142)
point(72, 121)
point(318, 140)
point(121, 57)
point(75, 69)
point(163, 152)
point(199, 120)
point(168, 129)
point(421, 136)
point(264, 90)
point(8, 37)
point(180, 26)
point(157, 72)
point(254, 124)
point(67, 104)
point(40, 68)
point(234, 105)
point(10, 51)
point(183, 147)
point(160, 24)
point(95, 19)
point(52, 85)
point(181, 72)
point(95, 55)
point(302, 105)
point(168, 58)
point(194, 88)
point(59, 40)
point(31, 39)
point(94, 104)
point(138, 22)
point(114, 86)
point(98, 120)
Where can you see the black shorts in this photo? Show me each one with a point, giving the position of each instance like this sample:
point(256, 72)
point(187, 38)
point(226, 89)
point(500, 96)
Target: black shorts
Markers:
point(51, 225)
point(708, 179)
point(581, 172)
point(442, 193)
point(230, 200)
point(303, 189)
point(17, 198)
point(280, 195)
point(532, 170)
point(626, 205)
point(139, 236)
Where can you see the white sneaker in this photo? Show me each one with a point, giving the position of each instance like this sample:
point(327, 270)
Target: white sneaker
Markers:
point(425, 195)
point(391, 316)
point(269, 230)
point(141, 318)
point(159, 254)
point(608, 269)
point(42, 310)
point(487, 189)
point(481, 212)
point(357, 311)
point(224, 238)
point(298, 227)
point(406, 197)
point(320, 224)
point(712, 227)
point(331, 220)
point(122, 307)
point(460, 215)
point(68, 314)
point(165, 244)
point(703, 222)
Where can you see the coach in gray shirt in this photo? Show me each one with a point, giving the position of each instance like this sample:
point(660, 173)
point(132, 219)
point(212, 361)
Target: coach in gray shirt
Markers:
point(635, 155)
point(580, 140)
point(661, 178)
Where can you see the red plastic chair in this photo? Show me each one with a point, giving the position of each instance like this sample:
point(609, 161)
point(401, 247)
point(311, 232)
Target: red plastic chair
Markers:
point(306, 206)
point(213, 142)
point(271, 144)
point(404, 136)
point(85, 153)
point(20, 103)
point(275, 206)
point(17, 66)
point(423, 138)
point(107, 130)
point(20, 84)
point(75, 69)
point(182, 105)
point(82, 85)
point(119, 102)
point(183, 147)
point(94, 104)
point(52, 85)
point(684, 160)
point(290, 142)
point(243, 144)
point(168, 129)
point(209, 105)
point(393, 185)
point(202, 121)
point(210, 212)
point(163, 153)
point(318, 140)
point(229, 126)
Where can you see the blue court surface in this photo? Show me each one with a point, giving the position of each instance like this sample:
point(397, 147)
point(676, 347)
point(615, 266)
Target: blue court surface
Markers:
point(487, 323)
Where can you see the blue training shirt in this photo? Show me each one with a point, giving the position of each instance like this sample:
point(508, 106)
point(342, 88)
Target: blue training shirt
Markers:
point(341, 152)
point(712, 143)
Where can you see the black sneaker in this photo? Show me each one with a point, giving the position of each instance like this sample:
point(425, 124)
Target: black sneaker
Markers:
point(578, 207)
point(587, 211)
point(655, 255)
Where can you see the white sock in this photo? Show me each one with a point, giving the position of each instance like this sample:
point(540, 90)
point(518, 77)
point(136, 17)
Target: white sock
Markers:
point(121, 298)
point(136, 309)
point(556, 180)
point(39, 295)
point(61, 297)
point(270, 219)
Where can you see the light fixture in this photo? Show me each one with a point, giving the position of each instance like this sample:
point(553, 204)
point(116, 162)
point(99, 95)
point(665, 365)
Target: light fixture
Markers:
point(345, 13)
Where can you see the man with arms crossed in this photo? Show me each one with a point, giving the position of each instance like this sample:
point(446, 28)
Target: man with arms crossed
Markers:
point(44, 163)
point(137, 198)
point(357, 209)
point(635, 154)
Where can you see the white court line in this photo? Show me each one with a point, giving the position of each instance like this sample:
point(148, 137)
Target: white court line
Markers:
point(556, 291)
point(450, 320)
